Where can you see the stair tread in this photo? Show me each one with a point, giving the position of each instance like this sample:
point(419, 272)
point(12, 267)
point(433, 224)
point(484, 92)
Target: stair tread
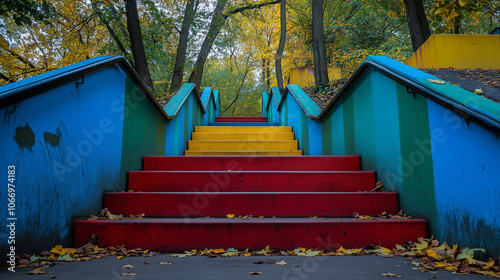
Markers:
point(265, 220)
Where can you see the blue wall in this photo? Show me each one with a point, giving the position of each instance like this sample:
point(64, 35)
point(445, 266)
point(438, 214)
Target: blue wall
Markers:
point(443, 164)
point(70, 144)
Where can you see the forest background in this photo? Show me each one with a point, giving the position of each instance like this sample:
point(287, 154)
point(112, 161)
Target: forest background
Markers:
point(229, 45)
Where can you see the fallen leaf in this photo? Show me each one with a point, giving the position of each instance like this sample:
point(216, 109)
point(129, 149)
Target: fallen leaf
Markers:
point(36, 272)
point(281, 263)
point(478, 91)
point(258, 262)
point(166, 263)
point(127, 274)
point(439, 82)
point(230, 216)
point(147, 263)
point(255, 273)
point(391, 275)
point(128, 266)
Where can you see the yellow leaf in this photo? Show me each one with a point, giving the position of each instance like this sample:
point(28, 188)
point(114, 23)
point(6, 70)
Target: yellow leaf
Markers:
point(489, 265)
point(247, 254)
point(230, 216)
point(267, 248)
point(455, 247)
point(432, 254)
point(439, 82)
point(3, 43)
point(56, 249)
point(119, 257)
point(441, 264)
point(461, 3)
point(487, 273)
point(387, 250)
point(341, 249)
point(217, 251)
point(303, 249)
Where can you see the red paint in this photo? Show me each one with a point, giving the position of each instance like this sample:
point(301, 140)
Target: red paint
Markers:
point(241, 181)
point(240, 119)
point(277, 163)
point(257, 204)
point(285, 187)
point(174, 235)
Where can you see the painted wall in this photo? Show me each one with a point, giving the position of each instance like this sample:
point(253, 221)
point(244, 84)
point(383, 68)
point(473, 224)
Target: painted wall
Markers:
point(442, 165)
point(458, 51)
point(187, 110)
point(68, 145)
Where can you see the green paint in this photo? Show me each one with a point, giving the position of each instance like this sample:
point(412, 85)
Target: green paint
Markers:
point(176, 136)
point(348, 114)
point(417, 193)
point(141, 119)
point(338, 138)
point(327, 137)
point(305, 133)
point(465, 97)
point(25, 137)
point(161, 136)
point(175, 104)
point(187, 110)
point(306, 103)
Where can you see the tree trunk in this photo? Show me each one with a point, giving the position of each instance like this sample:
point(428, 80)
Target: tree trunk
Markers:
point(319, 54)
point(134, 30)
point(218, 20)
point(180, 57)
point(281, 46)
point(417, 23)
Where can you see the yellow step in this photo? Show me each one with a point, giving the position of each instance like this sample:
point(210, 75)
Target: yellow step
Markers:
point(243, 136)
point(243, 153)
point(245, 129)
point(234, 145)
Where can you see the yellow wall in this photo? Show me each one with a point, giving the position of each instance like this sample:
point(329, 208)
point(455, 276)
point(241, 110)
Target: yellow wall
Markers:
point(458, 51)
point(304, 77)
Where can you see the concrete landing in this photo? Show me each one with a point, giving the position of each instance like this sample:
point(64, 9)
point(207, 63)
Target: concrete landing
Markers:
point(318, 268)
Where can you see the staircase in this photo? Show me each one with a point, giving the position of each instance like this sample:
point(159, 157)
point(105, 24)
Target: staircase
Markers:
point(242, 136)
point(281, 201)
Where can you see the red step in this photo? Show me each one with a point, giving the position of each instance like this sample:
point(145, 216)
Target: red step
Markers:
point(177, 234)
point(246, 181)
point(281, 204)
point(240, 119)
point(257, 163)
point(184, 191)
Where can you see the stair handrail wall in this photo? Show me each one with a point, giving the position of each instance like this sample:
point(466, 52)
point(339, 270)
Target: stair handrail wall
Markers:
point(434, 143)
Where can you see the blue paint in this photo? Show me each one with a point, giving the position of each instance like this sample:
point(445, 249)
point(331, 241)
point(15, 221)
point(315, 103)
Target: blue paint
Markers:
point(315, 141)
point(265, 99)
point(465, 157)
point(40, 79)
point(310, 108)
point(56, 183)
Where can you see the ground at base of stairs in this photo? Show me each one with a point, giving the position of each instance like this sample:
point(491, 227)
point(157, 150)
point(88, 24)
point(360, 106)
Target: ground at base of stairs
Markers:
point(347, 267)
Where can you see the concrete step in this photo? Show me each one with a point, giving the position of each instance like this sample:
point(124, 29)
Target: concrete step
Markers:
point(243, 136)
point(235, 145)
point(243, 153)
point(179, 234)
point(240, 119)
point(256, 163)
point(246, 129)
point(245, 181)
point(269, 204)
